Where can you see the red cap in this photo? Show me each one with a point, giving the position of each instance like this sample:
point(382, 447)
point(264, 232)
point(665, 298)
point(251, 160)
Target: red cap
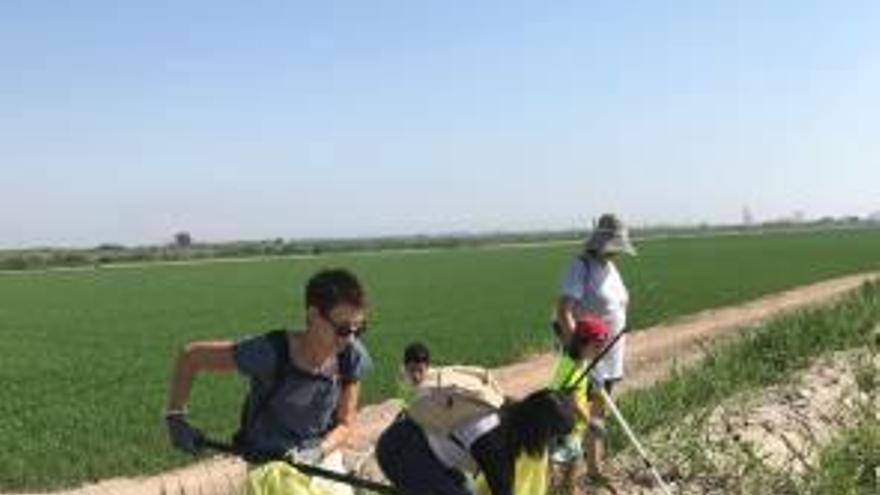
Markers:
point(591, 328)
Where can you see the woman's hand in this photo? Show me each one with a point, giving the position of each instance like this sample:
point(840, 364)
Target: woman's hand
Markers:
point(346, 418)
point(565, 309)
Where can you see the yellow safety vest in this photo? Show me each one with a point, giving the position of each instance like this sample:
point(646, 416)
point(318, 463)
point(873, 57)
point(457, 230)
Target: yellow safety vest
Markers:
point(565, 375)
point(531, 476)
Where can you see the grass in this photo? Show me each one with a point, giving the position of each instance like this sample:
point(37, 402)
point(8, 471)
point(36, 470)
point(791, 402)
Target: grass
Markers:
point(86, 355)
point(766, 355)
point(851, 465)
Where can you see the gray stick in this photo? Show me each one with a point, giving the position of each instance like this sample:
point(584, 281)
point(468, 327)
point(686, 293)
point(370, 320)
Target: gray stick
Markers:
point(634, 441)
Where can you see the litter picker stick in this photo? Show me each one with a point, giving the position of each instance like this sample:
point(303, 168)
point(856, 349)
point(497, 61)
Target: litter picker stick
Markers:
point(634, 441)
point(313, 470)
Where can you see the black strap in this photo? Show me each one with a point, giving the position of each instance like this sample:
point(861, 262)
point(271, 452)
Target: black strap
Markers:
point(281, 349)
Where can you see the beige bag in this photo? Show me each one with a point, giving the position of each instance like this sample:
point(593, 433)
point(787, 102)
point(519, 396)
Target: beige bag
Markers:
point(450, 396)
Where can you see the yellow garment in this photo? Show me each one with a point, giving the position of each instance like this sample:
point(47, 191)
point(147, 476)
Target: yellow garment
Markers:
point(531, 476)
point(566, 373)
point(280, 478)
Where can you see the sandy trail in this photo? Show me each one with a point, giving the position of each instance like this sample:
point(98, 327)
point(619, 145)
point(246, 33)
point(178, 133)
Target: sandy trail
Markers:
point(651, 354)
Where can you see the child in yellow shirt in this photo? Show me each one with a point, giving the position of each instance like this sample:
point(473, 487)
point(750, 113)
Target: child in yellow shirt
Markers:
point(589, 337)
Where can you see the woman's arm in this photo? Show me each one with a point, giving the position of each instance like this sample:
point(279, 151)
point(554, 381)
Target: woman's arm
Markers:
point(565, 316)
point(346, 418)
point(216, 356)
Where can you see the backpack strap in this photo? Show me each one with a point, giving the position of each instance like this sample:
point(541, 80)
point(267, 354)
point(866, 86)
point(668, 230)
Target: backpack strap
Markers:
point(278, 341)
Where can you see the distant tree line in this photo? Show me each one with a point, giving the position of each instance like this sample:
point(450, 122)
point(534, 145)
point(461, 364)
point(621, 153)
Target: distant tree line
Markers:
point(185, 248)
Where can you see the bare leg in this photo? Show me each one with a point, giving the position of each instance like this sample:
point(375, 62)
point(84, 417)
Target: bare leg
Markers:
point(566, 478)
point(595, 437)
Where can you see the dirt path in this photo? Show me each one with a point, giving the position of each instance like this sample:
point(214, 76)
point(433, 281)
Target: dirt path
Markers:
point(651, 353)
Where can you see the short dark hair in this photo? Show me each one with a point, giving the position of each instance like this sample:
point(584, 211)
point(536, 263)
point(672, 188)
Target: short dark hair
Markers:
point(331, 287)
point(416, 352)
point(535, 421)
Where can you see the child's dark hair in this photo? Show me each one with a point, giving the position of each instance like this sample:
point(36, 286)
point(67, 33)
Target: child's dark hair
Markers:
point(332, 287)
point(574, 348)
point(536, 420)
point(416, 352)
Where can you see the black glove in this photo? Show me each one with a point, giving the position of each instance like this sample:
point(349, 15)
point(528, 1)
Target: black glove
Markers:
point(183, 435)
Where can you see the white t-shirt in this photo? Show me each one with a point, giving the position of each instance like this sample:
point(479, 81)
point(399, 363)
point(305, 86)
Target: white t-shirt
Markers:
point(598, 289)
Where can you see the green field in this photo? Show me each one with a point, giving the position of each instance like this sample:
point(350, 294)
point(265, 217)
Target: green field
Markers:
point(86, 355)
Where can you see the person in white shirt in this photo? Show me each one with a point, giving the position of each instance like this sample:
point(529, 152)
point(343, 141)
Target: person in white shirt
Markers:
point(592, 285)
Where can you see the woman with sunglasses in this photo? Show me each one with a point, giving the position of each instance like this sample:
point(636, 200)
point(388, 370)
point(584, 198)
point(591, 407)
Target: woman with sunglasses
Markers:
point(587, 341)
point(303, 385)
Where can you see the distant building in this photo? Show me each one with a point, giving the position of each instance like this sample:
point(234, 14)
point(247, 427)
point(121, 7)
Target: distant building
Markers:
point(748, 219)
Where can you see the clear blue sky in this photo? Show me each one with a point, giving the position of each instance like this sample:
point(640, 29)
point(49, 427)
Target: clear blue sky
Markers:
point(127, 121)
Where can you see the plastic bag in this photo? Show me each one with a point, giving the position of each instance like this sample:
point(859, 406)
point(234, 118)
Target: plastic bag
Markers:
point(280, 478)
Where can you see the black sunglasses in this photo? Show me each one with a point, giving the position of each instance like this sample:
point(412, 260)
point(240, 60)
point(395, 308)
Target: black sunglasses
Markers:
point(344, 330)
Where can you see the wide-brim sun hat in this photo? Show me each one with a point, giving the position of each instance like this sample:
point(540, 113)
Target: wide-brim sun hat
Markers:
point(610, 236)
